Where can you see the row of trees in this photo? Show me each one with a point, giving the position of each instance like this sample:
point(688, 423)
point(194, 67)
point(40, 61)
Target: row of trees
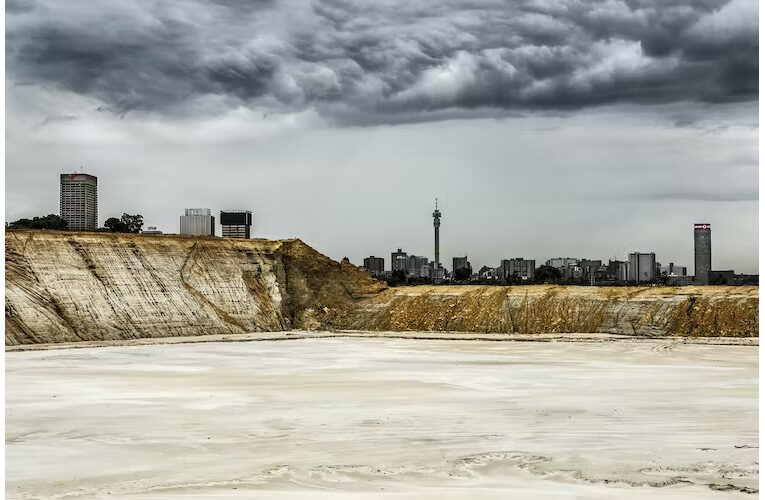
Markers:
point(47, 222)
point(125, 224)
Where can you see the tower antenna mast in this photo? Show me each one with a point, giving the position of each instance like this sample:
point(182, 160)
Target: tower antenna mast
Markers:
point(436, 226)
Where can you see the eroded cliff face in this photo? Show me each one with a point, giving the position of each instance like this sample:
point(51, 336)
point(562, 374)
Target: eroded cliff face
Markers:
point(67, 287)
point(686, 311)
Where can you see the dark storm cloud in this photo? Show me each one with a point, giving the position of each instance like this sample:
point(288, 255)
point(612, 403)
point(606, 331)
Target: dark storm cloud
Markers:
point(399, 61)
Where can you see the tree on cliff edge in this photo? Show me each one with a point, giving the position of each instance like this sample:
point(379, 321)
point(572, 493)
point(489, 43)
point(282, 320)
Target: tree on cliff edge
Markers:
point(125, 224)
point(48, 222)
point(133, 223)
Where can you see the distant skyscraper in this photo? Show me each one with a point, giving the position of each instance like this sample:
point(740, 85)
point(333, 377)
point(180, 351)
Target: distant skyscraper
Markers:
point(568, 267)
point(460, 263)
point(702, 252)
point(414, 264)
point(198, 222)
point(79, 201)
point(375, 266)
point(398, 261)
point(561, 262)
point(642, 267)
point(617, 270)
point(519, 267)
point(436, 272)
point(592, 270)
point(236, 223)
point(436, 226)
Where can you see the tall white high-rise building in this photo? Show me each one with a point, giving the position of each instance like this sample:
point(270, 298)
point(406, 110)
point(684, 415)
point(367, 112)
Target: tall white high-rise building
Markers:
point(79, 201)
point(198, 222)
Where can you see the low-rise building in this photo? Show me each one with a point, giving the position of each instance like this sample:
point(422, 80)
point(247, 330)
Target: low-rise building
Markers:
point(674, 280)
point(487, 273)
point(424, 271)
point(721, 277)
point(592, 270)
point(572, 272)
point(673, 270)
point(746, 279)
point(518, 268)
point(616, 271)
point(151, 230)
point(436, 271)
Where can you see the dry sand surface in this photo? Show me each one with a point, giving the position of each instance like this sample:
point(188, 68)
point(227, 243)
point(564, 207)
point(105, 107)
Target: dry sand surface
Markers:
point(369, 417)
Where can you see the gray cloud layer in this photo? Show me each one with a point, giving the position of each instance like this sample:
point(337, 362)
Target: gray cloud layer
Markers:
point(395, 61)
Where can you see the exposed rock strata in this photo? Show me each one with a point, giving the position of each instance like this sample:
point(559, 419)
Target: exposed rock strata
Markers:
point(65, 287)
point(654, 311)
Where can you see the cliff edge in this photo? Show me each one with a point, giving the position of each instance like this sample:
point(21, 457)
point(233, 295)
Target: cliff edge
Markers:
point(68, 287)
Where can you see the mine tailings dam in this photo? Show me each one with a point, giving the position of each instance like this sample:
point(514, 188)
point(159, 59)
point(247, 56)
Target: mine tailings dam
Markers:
point(69, 287)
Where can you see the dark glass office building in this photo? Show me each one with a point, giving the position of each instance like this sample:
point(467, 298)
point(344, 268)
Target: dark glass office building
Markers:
point(236, 223)
point(702, 252)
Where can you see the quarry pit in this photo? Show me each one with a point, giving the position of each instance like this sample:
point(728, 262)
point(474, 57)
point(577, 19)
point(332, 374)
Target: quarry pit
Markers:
point(78, 287)
point(158, 366)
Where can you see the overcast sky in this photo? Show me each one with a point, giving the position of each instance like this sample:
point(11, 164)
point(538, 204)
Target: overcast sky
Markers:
point(545, 128)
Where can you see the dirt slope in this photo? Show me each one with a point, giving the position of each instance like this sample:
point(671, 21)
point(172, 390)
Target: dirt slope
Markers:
point(63, 287)
point(66, 287)
point(696, 311)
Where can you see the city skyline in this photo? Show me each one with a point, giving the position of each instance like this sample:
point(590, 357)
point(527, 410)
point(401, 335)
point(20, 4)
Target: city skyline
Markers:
point(242, 220)
point(561, 129)
point(651, 269)
point(436, 215)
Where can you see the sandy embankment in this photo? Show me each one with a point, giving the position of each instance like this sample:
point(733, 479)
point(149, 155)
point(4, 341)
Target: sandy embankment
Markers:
point(375, 417)
point(81, 287)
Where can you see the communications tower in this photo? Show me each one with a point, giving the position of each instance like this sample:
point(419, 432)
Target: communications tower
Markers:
point(436, 225)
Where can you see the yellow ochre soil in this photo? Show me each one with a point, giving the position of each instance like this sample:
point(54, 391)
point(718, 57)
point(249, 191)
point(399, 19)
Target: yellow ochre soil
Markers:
point(696, 311)
point(67, 287)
